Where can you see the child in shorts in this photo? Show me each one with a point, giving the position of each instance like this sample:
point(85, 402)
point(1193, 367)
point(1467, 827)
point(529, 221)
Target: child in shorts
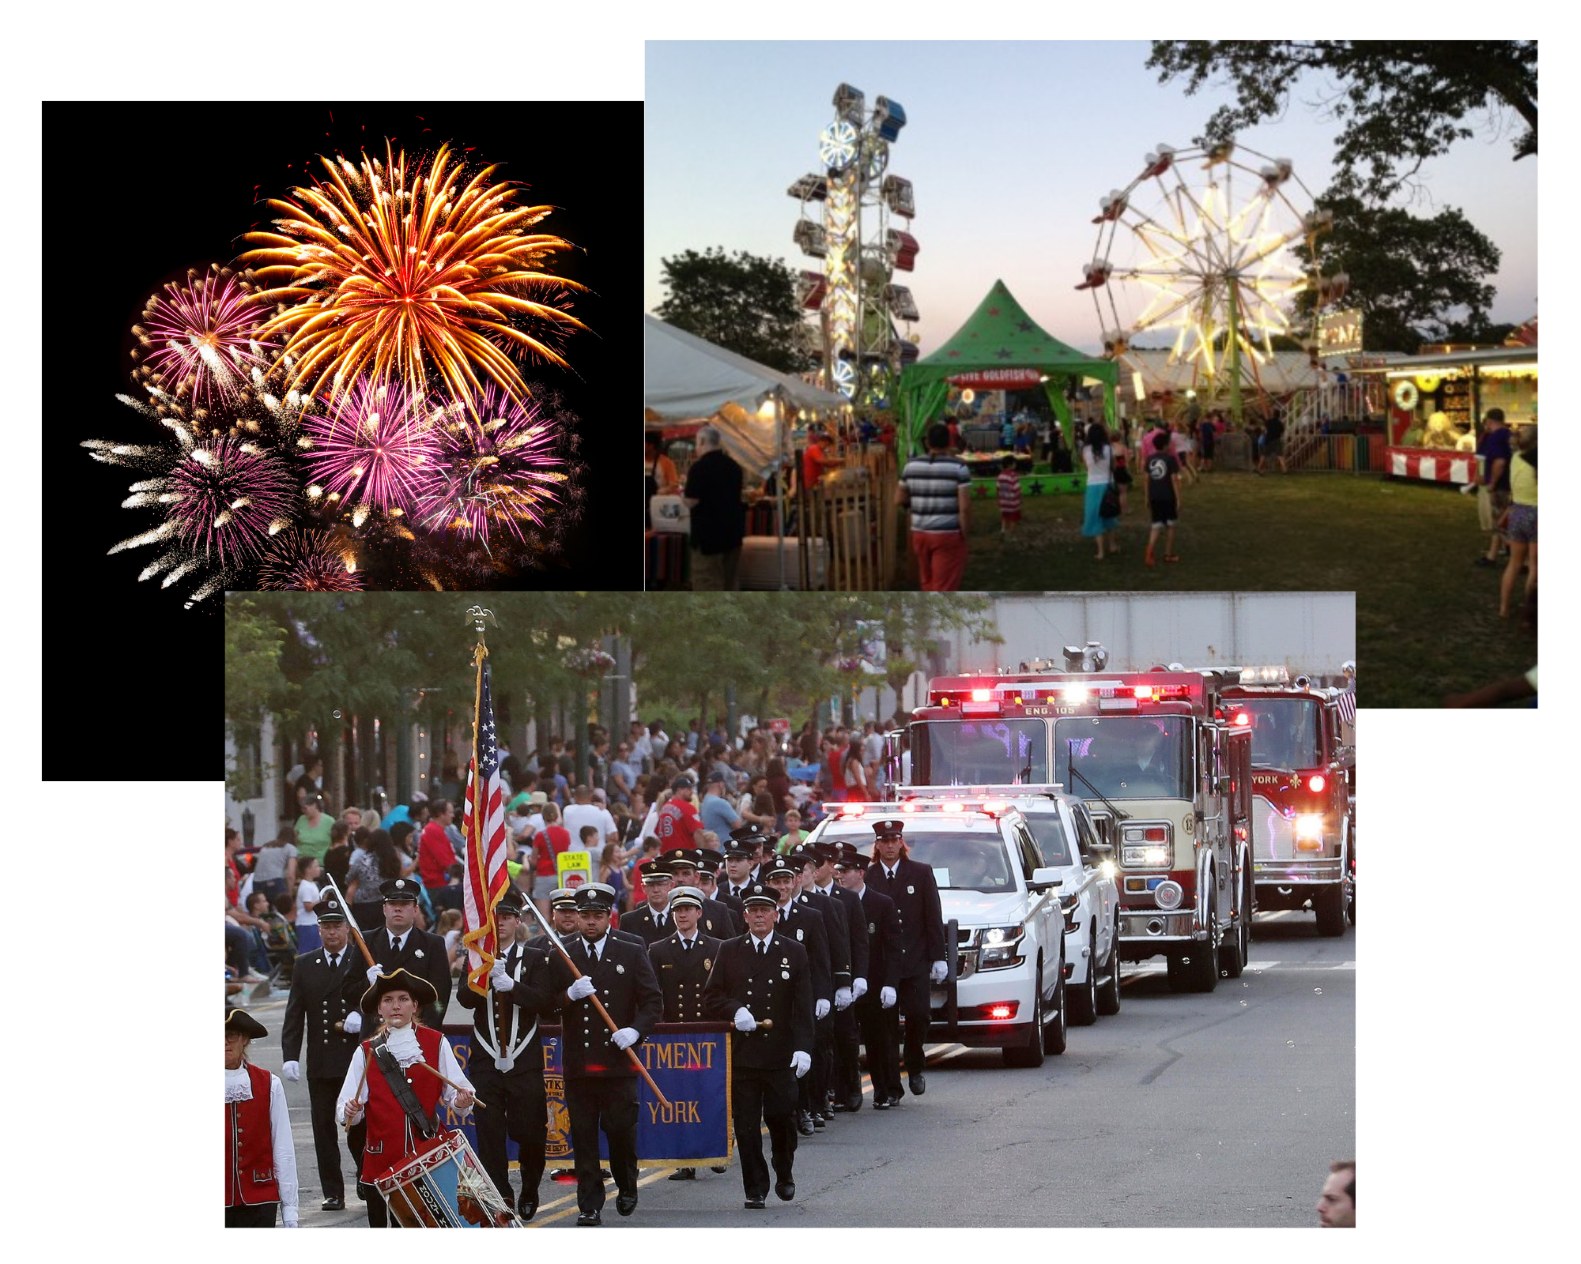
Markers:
point(1163, 497)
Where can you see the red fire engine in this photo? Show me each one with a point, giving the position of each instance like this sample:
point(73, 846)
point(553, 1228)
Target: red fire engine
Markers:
point(1304, 797)
point(1153, 755)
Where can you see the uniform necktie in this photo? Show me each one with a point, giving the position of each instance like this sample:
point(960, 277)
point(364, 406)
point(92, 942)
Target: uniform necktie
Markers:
point(762, 946)
point(686, 944)
point(334, 962)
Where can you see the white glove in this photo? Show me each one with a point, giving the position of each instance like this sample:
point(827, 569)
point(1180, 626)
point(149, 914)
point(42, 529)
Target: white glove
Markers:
point(373, 974)
point(821, 1009)
point(292, 1071)
point(842, 997)
point(800, 1063)
point(352, 1023)
point(500, 977)
point(937, 973)
point(582, 987)
point(625, 1038)
point(858, 989)
point(745, 1021)
point(886, 997)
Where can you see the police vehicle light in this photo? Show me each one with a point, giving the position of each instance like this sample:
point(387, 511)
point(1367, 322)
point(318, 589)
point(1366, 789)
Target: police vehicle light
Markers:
point(1316, 782)
point(954, 805)
point(993, 807)
point(853, 809)
point(1000, 1012)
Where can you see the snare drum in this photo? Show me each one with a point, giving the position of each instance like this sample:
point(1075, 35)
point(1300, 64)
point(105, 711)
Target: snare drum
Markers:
point(445, 1188)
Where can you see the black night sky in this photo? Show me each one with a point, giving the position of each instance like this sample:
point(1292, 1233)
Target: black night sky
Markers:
point(136, 193)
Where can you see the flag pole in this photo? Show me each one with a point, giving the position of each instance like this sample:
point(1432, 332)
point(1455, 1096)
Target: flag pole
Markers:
point(480, 652)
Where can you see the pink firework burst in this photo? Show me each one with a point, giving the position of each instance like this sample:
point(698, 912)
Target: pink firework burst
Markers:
point(309, 561)
point(501, 469)
point(373, 446)
point(201, 338)
point(226, 498)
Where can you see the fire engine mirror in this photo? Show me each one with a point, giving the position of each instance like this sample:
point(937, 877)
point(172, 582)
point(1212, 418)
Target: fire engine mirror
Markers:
point(1222, 785)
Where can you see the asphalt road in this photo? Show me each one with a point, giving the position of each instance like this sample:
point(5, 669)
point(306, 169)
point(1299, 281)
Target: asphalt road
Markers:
point(1221, 1110)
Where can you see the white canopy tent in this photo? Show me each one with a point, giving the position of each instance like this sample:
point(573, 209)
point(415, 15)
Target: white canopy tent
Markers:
point(687, 379)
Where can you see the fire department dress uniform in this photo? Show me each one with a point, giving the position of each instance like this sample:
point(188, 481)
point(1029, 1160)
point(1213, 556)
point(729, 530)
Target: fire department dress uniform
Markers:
point(773, 984)
point(260, 1160)
point(325, 989)
point(845, 1077)
point(421, 953)
point(507, 1067)
point(394, 1137)
point(880, 1028)
point(916, 898)
point(600, 1081)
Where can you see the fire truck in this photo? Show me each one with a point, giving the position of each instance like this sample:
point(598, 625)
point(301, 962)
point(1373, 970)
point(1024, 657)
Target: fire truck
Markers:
point(1303, 797)
point(1163, 772)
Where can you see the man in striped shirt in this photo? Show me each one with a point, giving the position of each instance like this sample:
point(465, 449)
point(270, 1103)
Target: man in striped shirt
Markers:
point(935, 489)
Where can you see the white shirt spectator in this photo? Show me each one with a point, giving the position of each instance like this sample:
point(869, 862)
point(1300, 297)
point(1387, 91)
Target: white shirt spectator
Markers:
point(576, 815)
point(307, 892)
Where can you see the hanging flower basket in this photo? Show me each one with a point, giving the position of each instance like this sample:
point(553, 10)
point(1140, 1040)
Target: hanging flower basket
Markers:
point(589, 662)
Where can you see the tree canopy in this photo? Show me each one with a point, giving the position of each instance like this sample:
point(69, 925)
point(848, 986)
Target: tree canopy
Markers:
point(1414, 279)
point(1399, 102)
point(742, 302)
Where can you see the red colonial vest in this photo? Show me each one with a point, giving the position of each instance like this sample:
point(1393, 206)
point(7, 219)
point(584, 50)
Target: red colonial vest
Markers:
point(249, 1147)
point(391, 1139)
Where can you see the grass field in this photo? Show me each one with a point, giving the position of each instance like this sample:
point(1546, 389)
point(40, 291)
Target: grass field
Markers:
point(1427, 618)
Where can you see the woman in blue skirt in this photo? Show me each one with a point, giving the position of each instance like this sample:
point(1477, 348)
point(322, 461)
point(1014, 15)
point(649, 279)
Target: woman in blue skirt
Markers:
point(1095, 455)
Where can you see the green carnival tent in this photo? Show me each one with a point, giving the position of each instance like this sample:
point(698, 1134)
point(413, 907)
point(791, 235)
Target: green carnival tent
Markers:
point(999, 347)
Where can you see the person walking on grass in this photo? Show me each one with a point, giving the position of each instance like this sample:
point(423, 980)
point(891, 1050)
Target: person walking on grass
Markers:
point(1101, 510)
point(935, 489)
point(1163, 498)
point(1009, 496)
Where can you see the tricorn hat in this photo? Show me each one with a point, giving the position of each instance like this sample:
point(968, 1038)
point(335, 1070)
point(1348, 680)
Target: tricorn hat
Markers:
point(244, 1024)
point(417, 987)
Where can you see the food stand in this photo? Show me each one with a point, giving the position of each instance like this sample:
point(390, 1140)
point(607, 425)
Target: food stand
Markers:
point(1437, 401)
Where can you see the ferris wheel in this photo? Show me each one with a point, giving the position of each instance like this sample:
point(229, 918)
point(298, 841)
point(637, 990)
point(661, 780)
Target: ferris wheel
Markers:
point(1200, 247)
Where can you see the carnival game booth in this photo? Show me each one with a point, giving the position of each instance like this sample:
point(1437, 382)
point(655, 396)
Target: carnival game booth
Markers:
point(1000, 347)
point(1437, 401)
point(689, 382)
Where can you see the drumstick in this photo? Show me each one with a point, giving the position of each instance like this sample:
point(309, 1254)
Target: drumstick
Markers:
point(478, 1100)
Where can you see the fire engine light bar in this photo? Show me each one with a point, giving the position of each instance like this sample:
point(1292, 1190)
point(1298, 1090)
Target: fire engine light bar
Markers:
point(982, 695)
point(1118, 704)
point(979, 708)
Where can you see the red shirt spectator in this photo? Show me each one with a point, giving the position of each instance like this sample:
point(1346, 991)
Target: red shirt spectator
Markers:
point(813, 461)
point(678, 822)
point(551, 841)
point(435, 854)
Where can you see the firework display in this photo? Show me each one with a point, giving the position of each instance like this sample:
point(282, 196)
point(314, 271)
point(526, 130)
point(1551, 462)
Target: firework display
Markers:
point(349, 394)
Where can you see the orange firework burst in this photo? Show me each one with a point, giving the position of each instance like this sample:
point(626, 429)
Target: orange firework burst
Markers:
point(404, 272)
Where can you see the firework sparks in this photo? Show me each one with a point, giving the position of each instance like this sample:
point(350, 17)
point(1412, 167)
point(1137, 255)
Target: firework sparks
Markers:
point(389, 268)
point(310, 561)
point(221, 500)
point(372, 446)
point(501, 469)
point(201, 339)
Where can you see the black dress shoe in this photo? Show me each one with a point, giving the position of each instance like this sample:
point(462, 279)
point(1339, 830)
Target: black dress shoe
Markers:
point(818, 1121)
point(754, 1204)
point(804, 1123)
point(527, 1206)
point(881, 1103)
point(919, 1086)
point(785, 1190)
point(840, 1108)
point(625, 1204)
point(893, 1099)
point(589, 1218)
point(333, 1204)
point(854, 1103)
point(718, 1169)
point(683, 1174)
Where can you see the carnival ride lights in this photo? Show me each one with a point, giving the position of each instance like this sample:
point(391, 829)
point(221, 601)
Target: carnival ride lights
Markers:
point(861, 350)
point(1200, 245)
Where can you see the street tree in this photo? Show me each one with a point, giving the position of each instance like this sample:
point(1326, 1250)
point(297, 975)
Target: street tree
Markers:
point(1414, 279)
point(1399, 103)
point(742, 302)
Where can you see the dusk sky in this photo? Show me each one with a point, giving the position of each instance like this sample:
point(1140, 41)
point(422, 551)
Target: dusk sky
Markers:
point(1009, 148)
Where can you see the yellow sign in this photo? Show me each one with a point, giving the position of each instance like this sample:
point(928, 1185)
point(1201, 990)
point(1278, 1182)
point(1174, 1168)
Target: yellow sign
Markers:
point(574, 868)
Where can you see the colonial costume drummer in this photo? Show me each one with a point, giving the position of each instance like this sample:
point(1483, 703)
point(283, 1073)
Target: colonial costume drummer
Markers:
point(260, 1160)
point(398, 1079)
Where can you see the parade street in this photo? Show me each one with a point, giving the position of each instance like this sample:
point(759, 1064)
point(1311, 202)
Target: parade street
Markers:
point(1222, 1109)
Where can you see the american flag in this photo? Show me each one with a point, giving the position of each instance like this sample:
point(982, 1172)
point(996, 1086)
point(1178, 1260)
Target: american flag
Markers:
point(483, 828)
point(1347, 706)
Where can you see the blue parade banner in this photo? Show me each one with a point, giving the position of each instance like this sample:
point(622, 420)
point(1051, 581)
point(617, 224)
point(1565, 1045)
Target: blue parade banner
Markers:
point(690, 1062)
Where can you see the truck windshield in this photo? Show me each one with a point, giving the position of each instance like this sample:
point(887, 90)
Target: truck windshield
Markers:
point(979, 753)
point(1285, 733)
point(1124, 756)
point(964, 862)
point(1048, 831)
